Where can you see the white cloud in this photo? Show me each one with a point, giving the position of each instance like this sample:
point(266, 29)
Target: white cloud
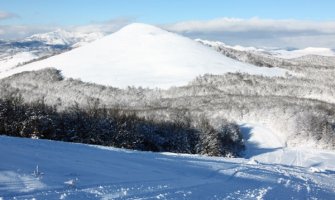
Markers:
point(7, 15)
point(248, 32)
point(105, 27)
point(260, 32)
point(20, 31)
point(253, 24)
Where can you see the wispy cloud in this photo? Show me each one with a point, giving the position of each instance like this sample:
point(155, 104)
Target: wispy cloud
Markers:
point(20, 31)
point(7, 15)
point(248, 32)
point(253, 24)
point(109, 26)
point(260, 32)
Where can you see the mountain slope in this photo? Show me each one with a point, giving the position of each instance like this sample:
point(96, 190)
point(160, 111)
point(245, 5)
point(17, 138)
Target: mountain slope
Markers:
point(37, 169)
point(143, 55)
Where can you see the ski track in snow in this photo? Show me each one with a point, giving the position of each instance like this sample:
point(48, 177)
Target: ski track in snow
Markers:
point(109, 173)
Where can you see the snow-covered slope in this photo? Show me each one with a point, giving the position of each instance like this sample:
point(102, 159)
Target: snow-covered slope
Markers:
point(143, 55)
point(7, 62)
point(54, 170)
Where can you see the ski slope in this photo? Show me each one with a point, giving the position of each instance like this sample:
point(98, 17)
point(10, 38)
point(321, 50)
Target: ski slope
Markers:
point(143, 55)
point(55, 170)
point(265, 146)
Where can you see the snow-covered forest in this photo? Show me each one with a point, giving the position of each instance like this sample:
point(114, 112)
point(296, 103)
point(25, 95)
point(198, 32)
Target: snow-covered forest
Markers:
point(118, 128)
point(301, 107)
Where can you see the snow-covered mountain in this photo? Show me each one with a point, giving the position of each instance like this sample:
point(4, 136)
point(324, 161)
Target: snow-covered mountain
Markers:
point(62, 37)
point(283, 119)
point(40, 46)
point(143, 55)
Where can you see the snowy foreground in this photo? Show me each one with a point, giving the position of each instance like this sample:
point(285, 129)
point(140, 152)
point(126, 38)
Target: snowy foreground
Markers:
point(55, 170)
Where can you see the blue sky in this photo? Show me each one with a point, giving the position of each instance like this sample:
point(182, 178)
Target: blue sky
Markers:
point(279, 23)
point(77, 12)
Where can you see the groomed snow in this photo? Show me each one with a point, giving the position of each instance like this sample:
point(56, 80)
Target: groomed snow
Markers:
point(143, 55)
point(37, 169)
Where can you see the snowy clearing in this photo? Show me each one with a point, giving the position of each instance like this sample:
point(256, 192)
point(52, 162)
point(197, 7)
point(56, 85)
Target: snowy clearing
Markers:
point(55, 170)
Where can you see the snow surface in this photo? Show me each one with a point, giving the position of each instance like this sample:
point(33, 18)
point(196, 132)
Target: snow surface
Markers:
point(266, 146)
point(143, 55)
point(43, 169)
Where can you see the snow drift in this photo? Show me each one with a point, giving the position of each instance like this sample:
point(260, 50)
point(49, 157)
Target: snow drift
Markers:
point(143, 55)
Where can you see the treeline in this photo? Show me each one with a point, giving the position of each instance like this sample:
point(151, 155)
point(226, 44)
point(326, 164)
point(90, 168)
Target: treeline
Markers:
point(118, 128)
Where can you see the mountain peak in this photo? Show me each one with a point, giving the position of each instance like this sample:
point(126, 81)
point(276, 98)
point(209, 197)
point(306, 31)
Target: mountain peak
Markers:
point(144, 55)
point(141, 27)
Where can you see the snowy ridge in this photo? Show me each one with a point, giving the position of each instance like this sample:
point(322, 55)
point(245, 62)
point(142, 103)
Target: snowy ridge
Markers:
point(55, 170)
point(62, 37)
point(143, 55)
point(279, 53)
point(303, 52)
point(236, 47)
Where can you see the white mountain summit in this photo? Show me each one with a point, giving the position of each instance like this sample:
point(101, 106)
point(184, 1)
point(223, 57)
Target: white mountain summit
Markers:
point(143, 55)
